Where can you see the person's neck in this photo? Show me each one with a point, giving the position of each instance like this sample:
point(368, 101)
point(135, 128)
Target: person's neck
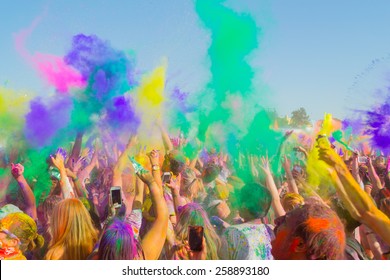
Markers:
point(255, 221)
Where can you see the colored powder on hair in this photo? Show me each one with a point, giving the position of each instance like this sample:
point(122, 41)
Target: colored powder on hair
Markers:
point(316, 225)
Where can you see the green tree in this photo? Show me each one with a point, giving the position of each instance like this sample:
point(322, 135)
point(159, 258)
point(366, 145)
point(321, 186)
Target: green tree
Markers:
point(299, 118)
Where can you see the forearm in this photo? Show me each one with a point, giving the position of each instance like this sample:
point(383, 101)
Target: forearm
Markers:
point(66, 188)
point(177, 201)
point(157, 175)
point(276, 204)
point(193, 163)
point(158, 201)
point(28, 196)
point(80, 190)
point(166, 140)
point(355, 170)
point(374, 178)
point(139, 194)
point(292, 185)
point(76, 148)
point(351, 189)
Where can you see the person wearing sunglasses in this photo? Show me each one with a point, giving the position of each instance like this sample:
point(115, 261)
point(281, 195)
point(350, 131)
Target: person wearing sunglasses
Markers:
point(18, 236)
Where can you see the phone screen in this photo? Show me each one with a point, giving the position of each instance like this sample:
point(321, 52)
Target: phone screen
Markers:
point(116, 196)
point(195, 238)
point(166, 177)
point(362, 159)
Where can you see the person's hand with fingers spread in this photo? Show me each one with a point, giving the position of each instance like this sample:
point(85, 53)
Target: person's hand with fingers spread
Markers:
point(265, 165)
point(76, 166)
point(154, 157)
point(270, 184)
point(66, 188)
point(174, 185)
point(58, 161)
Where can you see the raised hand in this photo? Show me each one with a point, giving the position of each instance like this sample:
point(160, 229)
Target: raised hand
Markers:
point(58, 161)
point(154, 157)
point(265, 166)
point(17, 170)
point(286, 162)
point(76, 166)
point(174, 184)
point(329, 156)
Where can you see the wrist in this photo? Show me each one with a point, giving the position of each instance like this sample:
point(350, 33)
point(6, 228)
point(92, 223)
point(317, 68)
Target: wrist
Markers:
point(19, 177)
point(155, 167)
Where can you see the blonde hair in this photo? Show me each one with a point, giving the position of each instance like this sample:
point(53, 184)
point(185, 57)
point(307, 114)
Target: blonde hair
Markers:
point(24, 228)
point(291, 201)
point(191, 186)
point(72, 231)
point(192, 214)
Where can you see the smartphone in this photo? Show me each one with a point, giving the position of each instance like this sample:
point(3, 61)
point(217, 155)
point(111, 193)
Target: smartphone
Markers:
point(362, 159)
point(166, 177)
point(195, 238)
point(116, 197)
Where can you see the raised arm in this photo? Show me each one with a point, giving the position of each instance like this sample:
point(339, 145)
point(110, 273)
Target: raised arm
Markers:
point(75, 154)
point(355, 168)
point(374, 178)
point(120, 165)
point(154, 239)
point(270, 184)
point(292, 186)
point(28, 195)
point(178, 201)
point(165, 137)
point(66, 187)
point(154, 157)
point(359, 204)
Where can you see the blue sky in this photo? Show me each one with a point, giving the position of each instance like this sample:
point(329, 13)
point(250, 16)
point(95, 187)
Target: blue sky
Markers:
point(314, 54)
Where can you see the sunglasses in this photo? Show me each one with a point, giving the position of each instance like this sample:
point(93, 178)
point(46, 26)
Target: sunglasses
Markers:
point(10, 234)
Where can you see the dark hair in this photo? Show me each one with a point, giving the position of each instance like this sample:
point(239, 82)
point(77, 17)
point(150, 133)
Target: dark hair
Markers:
point(254, 198)
point(343, 213)
point(211, 173)
point(176, 162)
point(321, 230)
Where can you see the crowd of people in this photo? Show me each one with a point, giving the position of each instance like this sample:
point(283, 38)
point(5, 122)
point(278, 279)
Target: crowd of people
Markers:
point(159, 204)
